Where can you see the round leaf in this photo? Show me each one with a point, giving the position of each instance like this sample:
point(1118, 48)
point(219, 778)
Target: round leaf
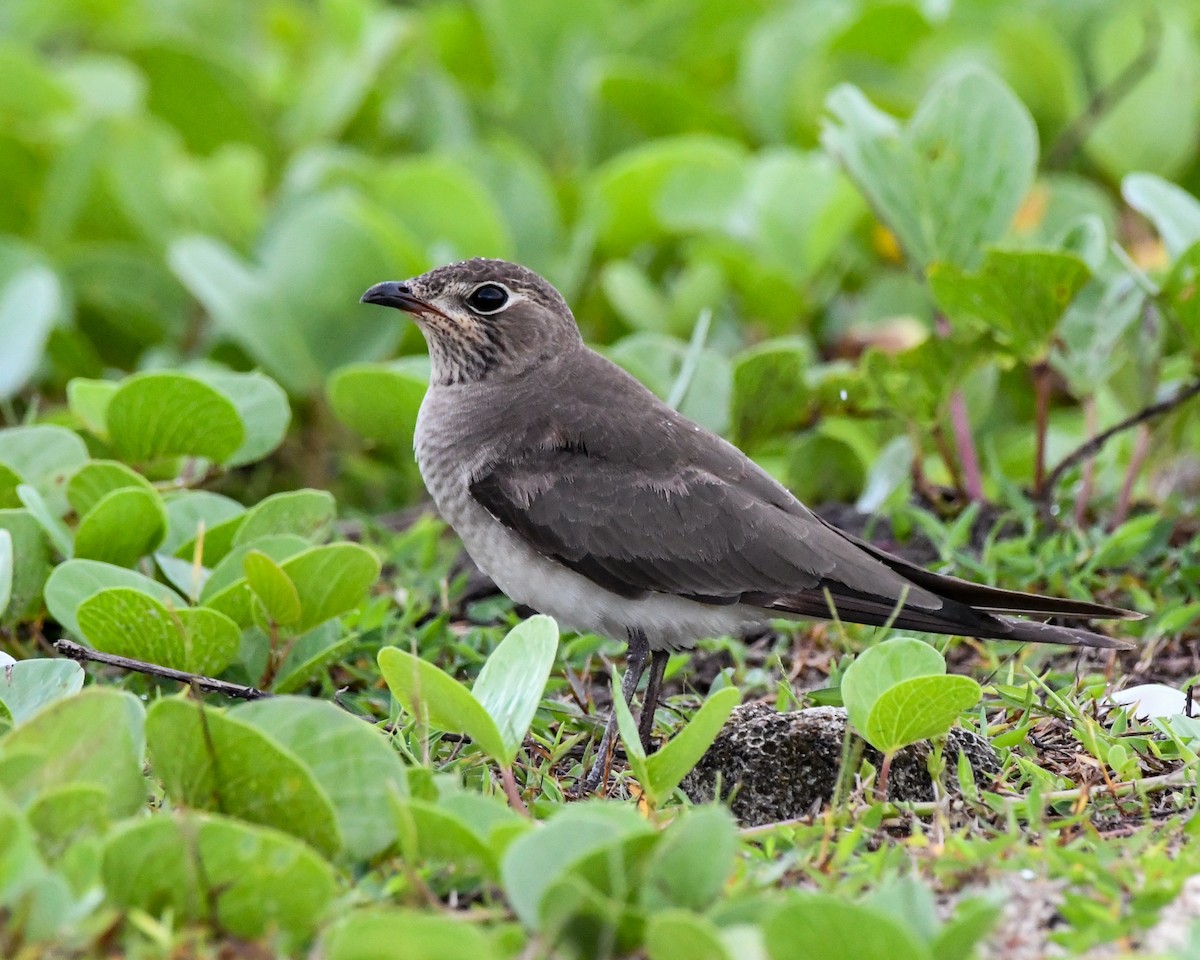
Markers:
point(123, 527)
point(155, 415)
point(881, 667)
point(211, 761)
point(917, 709)
point(74, 581)
point(128, 622)
point(380, 402)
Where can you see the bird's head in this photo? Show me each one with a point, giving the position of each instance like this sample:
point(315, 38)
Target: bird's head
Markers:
point(483, 318)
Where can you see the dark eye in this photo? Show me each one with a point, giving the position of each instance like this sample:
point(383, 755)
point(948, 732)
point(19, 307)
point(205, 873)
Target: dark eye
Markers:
point(487, 298)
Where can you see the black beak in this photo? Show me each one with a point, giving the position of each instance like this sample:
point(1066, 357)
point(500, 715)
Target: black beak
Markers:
point(398, 295)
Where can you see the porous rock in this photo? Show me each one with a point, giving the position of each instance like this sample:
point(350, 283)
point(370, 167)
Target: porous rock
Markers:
point(777, 766)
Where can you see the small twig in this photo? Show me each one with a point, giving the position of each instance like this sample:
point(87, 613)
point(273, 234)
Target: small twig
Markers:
point(1093, 446)
point(1108, 96)
point(75, 651)
point(512, 792)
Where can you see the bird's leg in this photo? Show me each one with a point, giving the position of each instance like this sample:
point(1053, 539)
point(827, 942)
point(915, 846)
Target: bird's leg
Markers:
point(635, 666)
point(658, 664)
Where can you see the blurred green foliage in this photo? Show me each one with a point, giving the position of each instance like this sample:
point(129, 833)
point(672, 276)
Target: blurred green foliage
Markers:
point(193, 181)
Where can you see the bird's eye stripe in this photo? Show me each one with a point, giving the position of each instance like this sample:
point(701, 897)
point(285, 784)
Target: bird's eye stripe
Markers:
point(488, 298)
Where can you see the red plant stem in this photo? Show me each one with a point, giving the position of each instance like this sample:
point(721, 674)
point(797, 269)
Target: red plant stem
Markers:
point(965, 443)
point(1087, 481)
point(1141, 447)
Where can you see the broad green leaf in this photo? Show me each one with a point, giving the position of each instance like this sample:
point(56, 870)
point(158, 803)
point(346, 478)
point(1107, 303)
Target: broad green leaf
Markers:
point(628, 188)
point(248, 881)
point(961, 935)
point(917, 709)
point(52, 526)
point(88, 401)
point(273, 588)
point(331, 580)
point(674, 934)
point(405, 935)
point(1139, 130)
point(94, 737)
point(44, 457)
point(311, 653)
point(302, 513)
point(28, 685)
point(380, 401)
point(98, 478)
point(658, 360)
point(129, 622)
point(30, 564)
point(1022, 293)
point(770, 395)
point(1174, 212)
point(823, 926)
point(227, 589)
point(538, 858)
point(220, 516)
point(31, 299)
point(156, 415)
point(6, 571)
point(692, 861)
point(63, 813)
point(1182, 290)
point(436, 699)
point(666, 768)
point(213, 761)
point(74, 581)
point(350, 760)
point(512, 681)
point(262, 406)
point(9, 481)
point(952, 179)
point(124, 526)
point(429, 833)
point(888, 472)
point(881, 667)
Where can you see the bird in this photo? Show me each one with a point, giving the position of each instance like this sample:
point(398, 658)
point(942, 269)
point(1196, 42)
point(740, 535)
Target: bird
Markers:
point(586, 497)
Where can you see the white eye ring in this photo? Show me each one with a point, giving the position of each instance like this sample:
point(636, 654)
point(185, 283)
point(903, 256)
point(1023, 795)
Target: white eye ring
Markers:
point(490, 303)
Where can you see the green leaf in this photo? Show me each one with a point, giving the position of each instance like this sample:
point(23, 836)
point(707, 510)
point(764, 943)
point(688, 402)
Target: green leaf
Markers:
point(692, 861)
point(29, 685)
point(30, 564)
point(331, 580)
point(822, 926)
point(512, 681)
point(73, 582)
point(682, 935)
point(212, 761)
point(429, 832)
point(666, 768)
point(1022, 293)
point(917, 709)
point(94, 737)
point(380, 401)
point(123, 527)
point(951, 180)
point(98, 478)
point(311, 653)
point(881, 667)
point(1174, 212)
point(302, 513)
point(769, 391)
point(537, 859)
point(6, 571)
point(187, 510)
point(88, 400)
point(438, 700)
point(55, 530)
point(1182, 291)
point(31, 299)
point(262, 406)
point(249, 881)
point(350, 760)
point(128, 622)
point(404, 935)
point(44, 457)
point(273, 588)
point(1140, 131)
point(961, 935)
point(227, 589)
point(156, 415)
